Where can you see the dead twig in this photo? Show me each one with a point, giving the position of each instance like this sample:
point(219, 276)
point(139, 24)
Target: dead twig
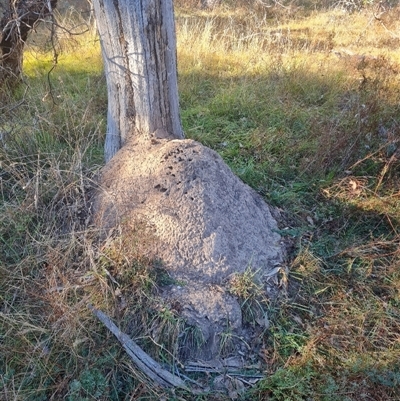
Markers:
point(143, 361)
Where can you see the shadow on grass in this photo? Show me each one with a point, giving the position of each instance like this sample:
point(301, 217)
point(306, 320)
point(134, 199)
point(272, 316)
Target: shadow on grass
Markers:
point(322, 148)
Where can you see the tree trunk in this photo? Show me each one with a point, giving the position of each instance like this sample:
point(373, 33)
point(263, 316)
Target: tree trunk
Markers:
point(18, 20)
point(139, 51)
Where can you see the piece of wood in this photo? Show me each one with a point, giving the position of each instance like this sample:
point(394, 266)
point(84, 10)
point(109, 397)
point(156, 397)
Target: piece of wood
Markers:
point(139, 51)
point(143, 361)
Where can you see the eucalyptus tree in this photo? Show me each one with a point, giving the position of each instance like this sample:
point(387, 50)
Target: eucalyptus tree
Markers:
point(139, 52)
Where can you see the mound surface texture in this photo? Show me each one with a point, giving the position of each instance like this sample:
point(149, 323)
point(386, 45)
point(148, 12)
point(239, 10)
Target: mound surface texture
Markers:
point(207, 225)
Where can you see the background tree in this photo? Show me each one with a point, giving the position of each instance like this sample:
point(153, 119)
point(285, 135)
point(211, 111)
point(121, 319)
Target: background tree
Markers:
point(19, 18)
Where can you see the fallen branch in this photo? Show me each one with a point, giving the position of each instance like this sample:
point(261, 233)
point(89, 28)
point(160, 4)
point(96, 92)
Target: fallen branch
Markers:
point(143, 361)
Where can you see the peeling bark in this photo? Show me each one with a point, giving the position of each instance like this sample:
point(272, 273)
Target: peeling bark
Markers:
point(139, 52)
point(19, 18)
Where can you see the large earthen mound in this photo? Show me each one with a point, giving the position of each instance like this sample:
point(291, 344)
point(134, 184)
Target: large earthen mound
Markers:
point(207, 223)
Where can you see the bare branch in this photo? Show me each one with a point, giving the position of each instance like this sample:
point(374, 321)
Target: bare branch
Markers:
point(142, 360)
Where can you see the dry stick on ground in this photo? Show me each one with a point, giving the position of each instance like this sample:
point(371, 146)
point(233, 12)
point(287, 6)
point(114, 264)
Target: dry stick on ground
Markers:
point(142, 360)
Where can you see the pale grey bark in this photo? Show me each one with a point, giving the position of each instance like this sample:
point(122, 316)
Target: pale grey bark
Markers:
point(139, 51)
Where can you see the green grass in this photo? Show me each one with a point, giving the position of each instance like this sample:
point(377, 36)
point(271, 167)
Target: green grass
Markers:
point(298, 112)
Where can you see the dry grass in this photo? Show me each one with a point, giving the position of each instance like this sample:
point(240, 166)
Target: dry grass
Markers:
point(304, 107)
